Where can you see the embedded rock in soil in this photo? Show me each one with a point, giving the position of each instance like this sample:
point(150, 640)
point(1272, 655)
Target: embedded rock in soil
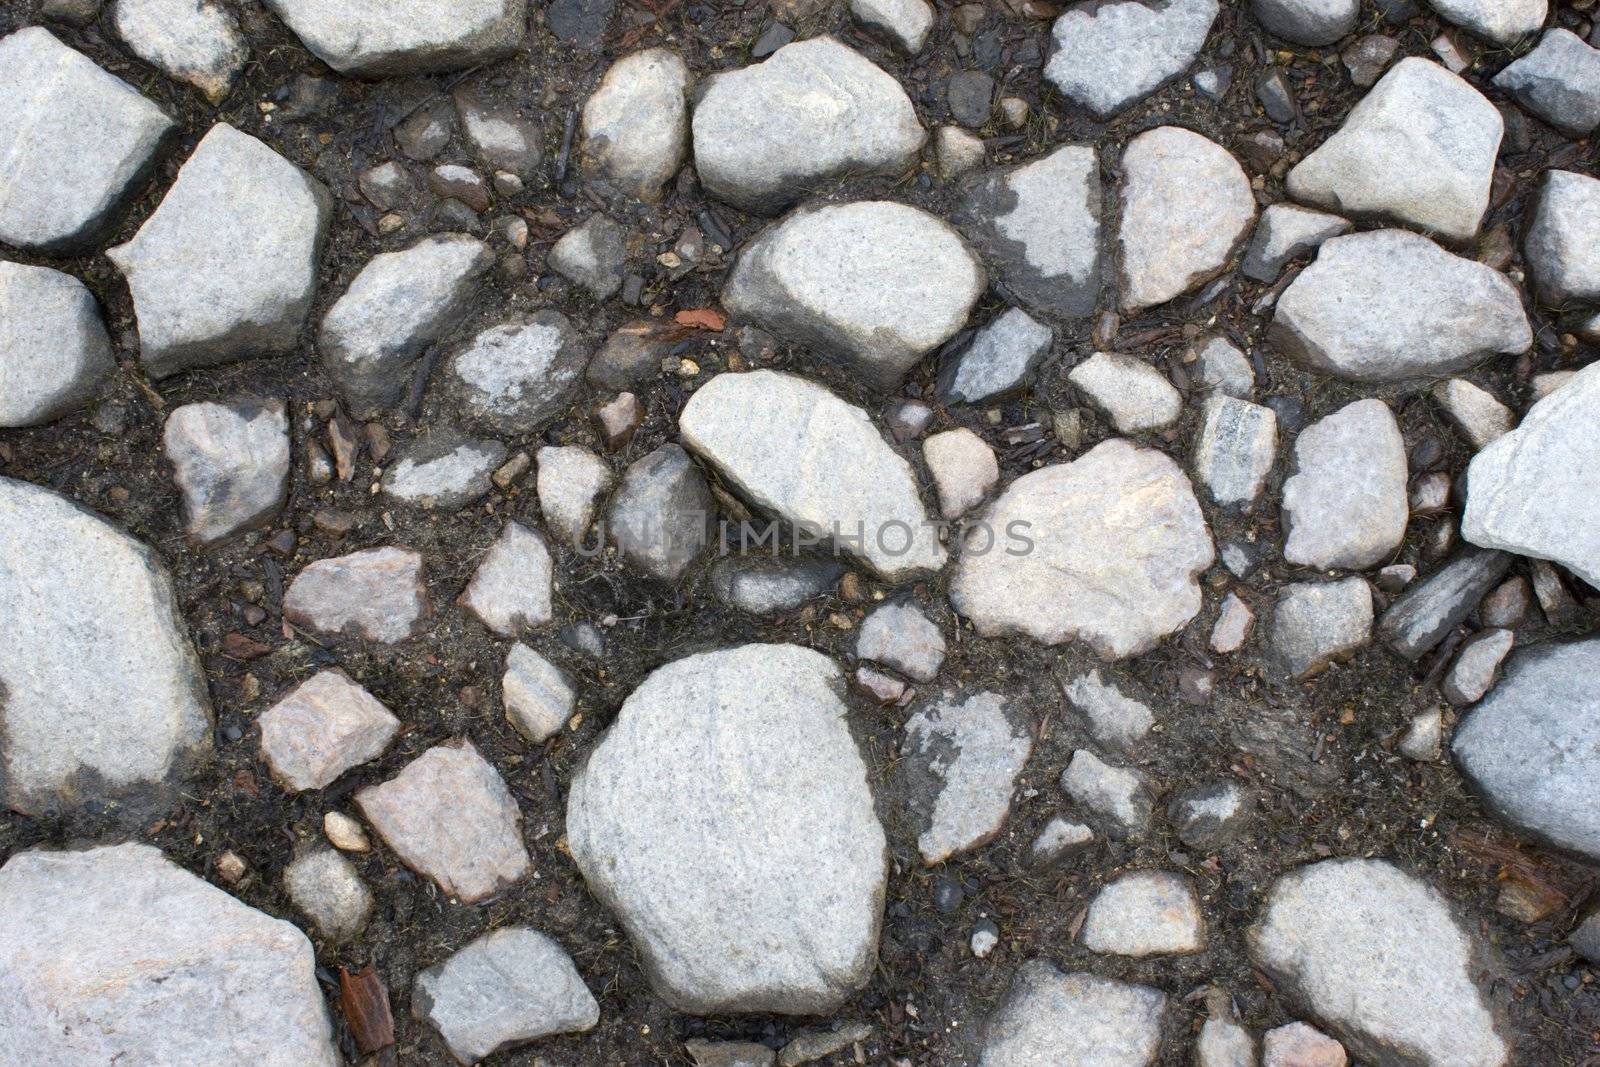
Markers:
point(1145, 913)
point(194, 41)
point(513, 378)
point(1476, 666)
point(1346, 504)
point(538, 697)
point(1233, 625)
point(768, 586)
point(636, 123)
point(730, 1054)
point(999, 361)
point(1311, 22)
point(1388, 305)
point(663, 515)
point(1299, 1045)
point(322, 728)
point(1502, 21)
point(964, 469)
point(443, 471)
point(795, 450)
point(116, 955)
point(1559, 81)
point(101, 693)
point(325, 886)
point(231, 462)
point(1224, 1043)
point(74, 142)
point(1119, 797)
point(503, 139)
point(1117, 721)
point(961, 759)
point(385, 38)
point(900, 636)
point(511, 589)
point(816, 109)
point(726, 818)
point(1238, 443)
point(1418, 149)
point(1058, 838)
point(905, 22)
point(1559, 247)
point(1532, 746)
point(1473, 411)
point(448, 815)
point(1319, 623)
point(376, 594)
point(1419, 618)
point(1117, 544)
point(54, 351)
point(875, 284)
point(1223, 368)
point(1284, 233)
point(507, 988)
point(1376, 956)
point(1134, 395)
point(592, 255)
point(570, 482)
point(1209, 816)
point(226, 268)
point(1110, 55)
point(1052, 1018)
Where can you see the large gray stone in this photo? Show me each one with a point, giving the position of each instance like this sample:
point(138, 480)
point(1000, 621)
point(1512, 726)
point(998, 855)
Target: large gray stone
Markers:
point(1419, 148)
point(1559, 247)
point(1346, 505)
point(961, 759)
point(54, 352)
point(1389, 305)
point(797, 451)
point(116, 955)
point(226, 268)
point(1375, 956)
point(1049, 1019)
point(1534, 491)
point(74, 140)
point(194, 41)
point(1559, 81)
point(231, 462)
point(727, 820)
point(636, 123)
point(383, 38)
point(1114, 544)
point(1502, 21)
point(1110, 55)
point(873, 283)
point(513, 378)
point(663, 515)
point(1312, 22)
point(816, 109)
point(101, 694)
point(1419, 618)
point(376, 594)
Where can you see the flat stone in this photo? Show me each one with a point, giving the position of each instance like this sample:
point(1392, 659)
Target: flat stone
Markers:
point(662, 516)
point(1501, 21)
point(226, 268)
point(1052, 1018)
point(443, 471)
point(381, 40)
point(875, 284)
point(769, 586)
point(1285, 233)
point(231, 462)
point(101, 692)
point(1476, 666)
point(1559, 81)
point(1234, 454)
point(900, 636)
point(1117, 541)
point(1145, 913)
point(1134, 395)
point(511, 589)
point(538, 697)
point(1316, 624)
point(1388, 305)
point(1186, 205)
point(1376, 957)
point(509, 987)
point(999, 361)
point(720, 770)
point(1207, 817)
point(400, 303)
point(795, 450)
point(961, 759)
point(570, 482)
point(1118, 797)
point(1116, 720)
point(75, 141)
point(1059, 837)
point(1039, 226)
point(964, 469)
point(55, 355)
point(513, 378)
point(164, 968)
point(1222, 368)
point(636, 124)
point(325, 726)
point(1558, 250)
point(816, 109)
point(504, 139)
point(376, 594)
point(189, 40)
point(1233, 626)
point(730, 1054)
point(1391, 161)
point(1529, 746)
point(326, 888)
point(1309, 22)
point(1110, 55)
point(592, 256)
point(1419, 618)
point(1299, 1045)
point(969, 94)
point(1346, 504)
point(905, 22)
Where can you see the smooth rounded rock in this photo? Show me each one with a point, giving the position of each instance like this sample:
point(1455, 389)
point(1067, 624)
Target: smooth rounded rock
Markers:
point(384, 38)
point(637, 122)
point(1145, 913)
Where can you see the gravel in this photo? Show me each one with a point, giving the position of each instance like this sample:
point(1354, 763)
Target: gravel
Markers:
point(905, 22)
point(570, 482)
point(900, 636)
point(1502, 21)
point(54, 353)
point(592, 256)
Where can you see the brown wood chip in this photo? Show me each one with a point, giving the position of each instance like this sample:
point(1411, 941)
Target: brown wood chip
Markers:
point(365, 1002)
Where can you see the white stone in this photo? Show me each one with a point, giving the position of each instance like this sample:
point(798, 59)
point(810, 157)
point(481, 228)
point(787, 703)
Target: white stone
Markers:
point(538, 698)
point(1116, 720)
point(1110, 55)
point(637, 122)
point(999, 361)
point(1476, 666)
point(511, 589)
point(1224, 369)
point(1238, 443)
point(1233, 627)
point(1299, 1045)
point(907, 22)
point(1319, 623)
point(957, 151)
point(1223, 1043)
point(1145, 913)
point(1501, 21)
point(1050, 1019)
point(515, 377)
point(231, 462)
point(964, 469)
point(967, 754)
point(322, 728)
point(1424, 737)
point(345, 833)
point(383, 38)
point(900, 636)
point(54, 352)
point(325, 886)
point(1117, 796)
point(1559, 81)
point(443, 471)
point(1559, 247)
point(1346, 504)
point(662, 515)
point(1134, 395)
point(1284, 233)
point(592, 255)
point(1311, 22)
point(1058, 837)
point(194, 41)
point(570, 481)
point(1474, 411)
point(376, 594)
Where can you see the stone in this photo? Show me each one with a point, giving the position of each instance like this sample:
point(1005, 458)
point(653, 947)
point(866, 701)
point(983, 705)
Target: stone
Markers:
point(452, 181)
point(1418, 619)
point(1207, 817)
point(969, 94)
point(164, 967)
point(812, 1045)
point(1116, 720)
point(1387, 305)
point(961, 759)
point(632, 355)
point(689, 869)
point(1474, 411)
point(1586, 938)
point(1135, 396)
point(905, 22)
point(511, 590)
point(964, 469)
point(662, 516)
point(592, 256)
point(1114, 543)
point(1038, 224)
point(1224, 1043)
point(1118, 797)
point(443, 471)
point(1058, 838)
point(636, 123)
point(368, 40)
point(1555, 602)
point(875, 284)
point(957, 151)
point(985, 939)
point(770, 586)
point(502, 139)
point(1276, 96)
point(1316, 624)
point(509, 987)
point(1222, 368)
point(1389, 161)
point(1508, 606)
point(1111, 55)
point(1559, 81)
point(376, 594)
point(325, 726)
point(1186, 205)
point(231, 462)
point(1375, 956)
point(1299, 1045)
point(619, 419)
point(449, 816)
point(1285, 233)
point(1233, 626)
point(1145, 913)
point(194, 41)
point(1052, 1018)
point(1557, 249)
point(76, 141)
point(400, 303)
point(538, 697)
point(1528, 746)
point(55, 355)
point(1476, 666)
point(345, 833)
point(795, 450)
point(999, 361)
point(1502, 21)
point(101, 692)
point(426, 133)
point(387, 187)
point(730, 1054)
point(1346, 506)
point(1308, 22)
point(513, 378)
point(1368, 58)
point(1238, 443)
point(766, 134)
point(74, 12)
point(580, 22)
point(326, 888)
point(226, 268)
point(570, 482)
point(1424, 737)
point(900, 636)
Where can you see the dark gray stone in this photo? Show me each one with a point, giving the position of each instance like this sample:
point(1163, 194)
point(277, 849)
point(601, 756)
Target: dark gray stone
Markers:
point(663, 514)
point(1419, 618)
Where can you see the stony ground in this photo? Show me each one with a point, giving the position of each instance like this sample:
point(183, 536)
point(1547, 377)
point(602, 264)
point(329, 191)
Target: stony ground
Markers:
point(405, 360)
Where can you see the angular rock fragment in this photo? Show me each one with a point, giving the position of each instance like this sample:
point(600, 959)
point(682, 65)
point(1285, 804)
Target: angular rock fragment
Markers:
point(1559, 247)
point(1224, 369)
point(513, 378)
point(1419, 618)
point(1233, 626)
point(570, 481)
point(906, 22)
point(538, 697)
point(1299, 1045)
point(325, 886)
point(1501, 21)
point(194, 41)
point(1319, 623)
point(1559, 81)
point(443, 471)
point(376, 594)
point(1209, 816)
point(504, 139)
point(767, 586)
point(1000, 359)
point(322, 728)
point(1116, 720)
point(1311, 22)
point(1238, 443)
point(1284, 233)
point(900, 636)
point(1224, 1043)
point(511, 589)
point(1474, 411)
point(1052, 1018)
point(1118, 797)
point(663, 514)
point(592, 255)
point(1110, 55)
point(1476, 665)
point(231, 462)
point(1058, 837)
point(1145, 913)
point(961, 759)
point(380, 40)
point(54, 351)
point(637, 122)
point(964, 469)
point(1346, 504)
point(1134, 395)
